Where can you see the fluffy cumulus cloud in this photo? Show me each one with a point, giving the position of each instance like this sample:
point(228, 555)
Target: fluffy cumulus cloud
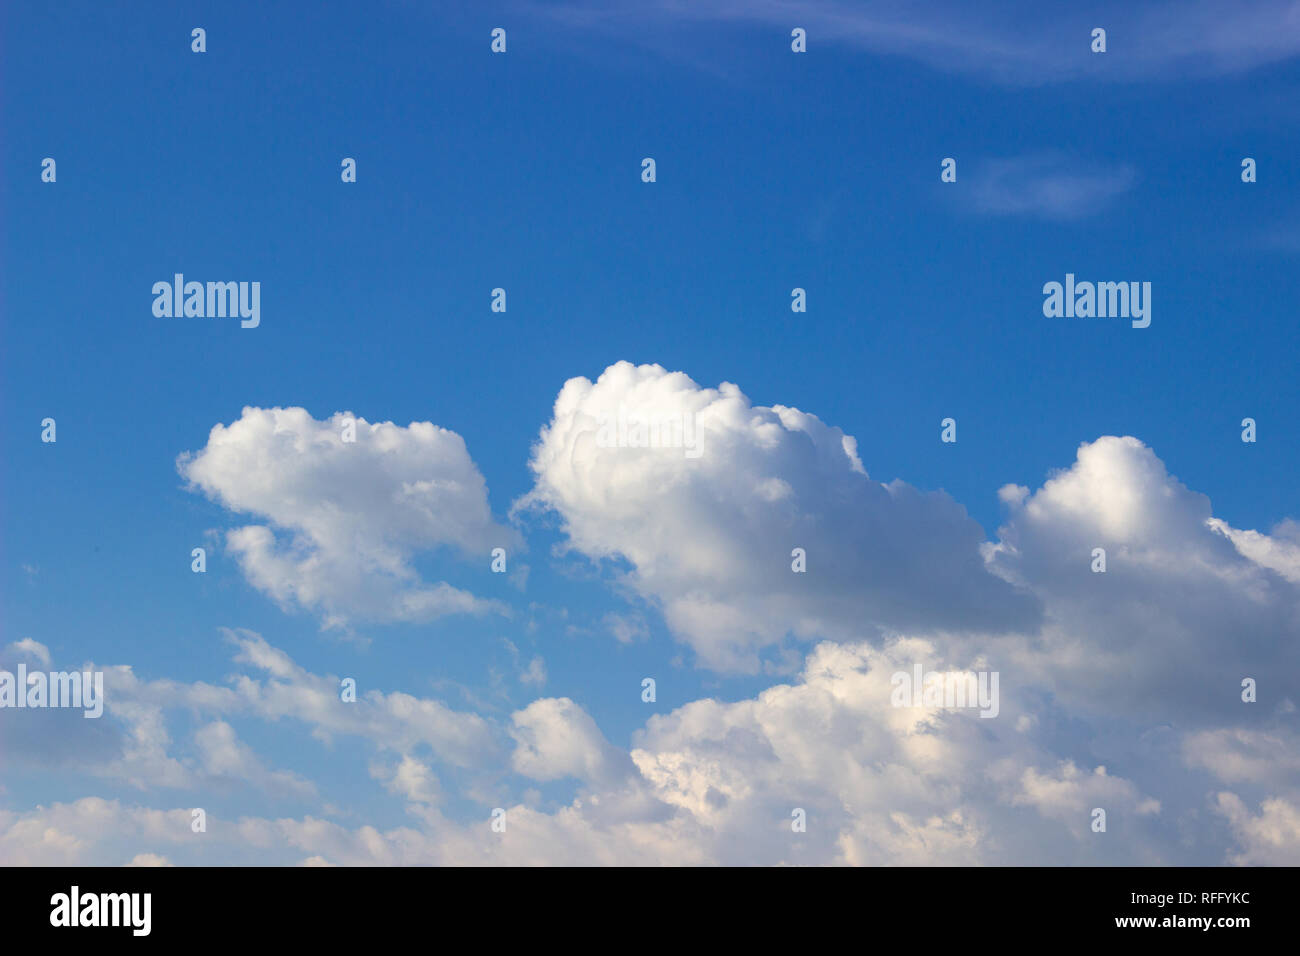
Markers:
point(878, 780)
point(1118, 690)
point(557, 738)
point(88, 832)
point(134, 743)
point(1270, 837)
point(410, 779)
point(225, 757)
point(706, 496)
point(882, 781)
point(283, 690)
point(1186, 609)
point(1241, 755)
point(709, 782)
point(343, 519)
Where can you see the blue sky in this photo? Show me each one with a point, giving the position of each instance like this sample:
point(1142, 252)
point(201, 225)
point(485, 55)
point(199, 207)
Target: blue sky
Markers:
point(774, 170)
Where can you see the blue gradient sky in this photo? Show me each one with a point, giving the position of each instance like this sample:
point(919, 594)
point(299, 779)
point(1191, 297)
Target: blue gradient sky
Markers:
point(523, 171)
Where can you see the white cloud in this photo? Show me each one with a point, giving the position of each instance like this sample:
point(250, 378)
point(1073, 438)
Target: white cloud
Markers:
point(410, 779)
point(132, 742)
point(556, 738)
point(534, 673)
point(707, 782)
point(626, 628)
point(392, 721)
point(223, 756)
point(346, 519)
point(709, 542)
point(1119, 690)
point(880, 784)
point(29, 648)
point(87, 832)
point(715, 782)
point(1240, 755)
point(1268, 838)
point(1278, 552)
point(1180, 615)
point(1071, 794)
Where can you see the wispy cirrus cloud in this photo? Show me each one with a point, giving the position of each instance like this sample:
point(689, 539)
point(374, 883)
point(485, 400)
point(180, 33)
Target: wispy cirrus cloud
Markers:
point(1048, 185)
point(1016, 43)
